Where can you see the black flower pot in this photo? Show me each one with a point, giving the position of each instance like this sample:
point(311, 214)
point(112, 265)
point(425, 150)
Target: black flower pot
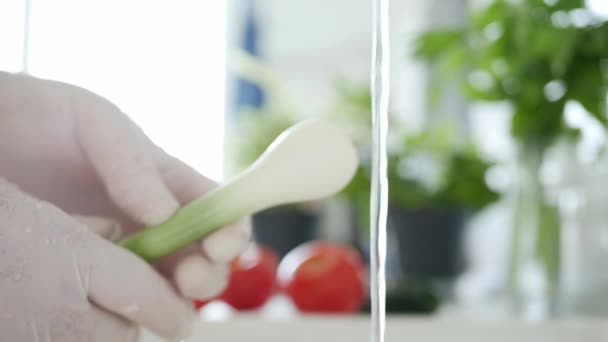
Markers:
point(430, 241)
point(284, 228)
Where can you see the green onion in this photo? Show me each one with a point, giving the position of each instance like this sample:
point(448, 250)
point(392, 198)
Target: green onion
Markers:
point(190, 223)
point(311, 152)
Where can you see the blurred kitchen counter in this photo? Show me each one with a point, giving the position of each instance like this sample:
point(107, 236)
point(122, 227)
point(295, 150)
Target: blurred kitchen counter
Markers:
point(280, 322)
point(356, 328)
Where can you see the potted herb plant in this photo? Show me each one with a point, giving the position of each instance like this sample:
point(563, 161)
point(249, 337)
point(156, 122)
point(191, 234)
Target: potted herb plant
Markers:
point(434, 186)
point(537, 56)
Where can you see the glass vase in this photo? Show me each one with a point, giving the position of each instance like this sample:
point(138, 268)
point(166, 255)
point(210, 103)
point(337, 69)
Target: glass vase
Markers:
point(533, 278)
point(583, 204)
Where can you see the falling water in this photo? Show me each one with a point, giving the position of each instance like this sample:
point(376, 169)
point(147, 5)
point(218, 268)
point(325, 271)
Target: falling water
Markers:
point(379, 186)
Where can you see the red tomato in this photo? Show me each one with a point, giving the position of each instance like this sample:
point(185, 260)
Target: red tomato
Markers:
point(323, 277)
point(252, 279)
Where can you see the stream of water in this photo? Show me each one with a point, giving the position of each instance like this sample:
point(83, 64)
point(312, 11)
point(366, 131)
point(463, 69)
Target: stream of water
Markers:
point(379, 187)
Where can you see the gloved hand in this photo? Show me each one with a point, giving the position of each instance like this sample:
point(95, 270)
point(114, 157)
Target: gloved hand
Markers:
point(65, 145)
point(60, 282)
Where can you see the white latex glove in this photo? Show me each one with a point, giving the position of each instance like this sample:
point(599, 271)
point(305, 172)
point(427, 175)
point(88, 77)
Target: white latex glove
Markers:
point(60, 282)
point(65, 145)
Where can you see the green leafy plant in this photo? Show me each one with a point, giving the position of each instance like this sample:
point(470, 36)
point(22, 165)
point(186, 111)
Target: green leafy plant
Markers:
point(537, 56)
point(531, 54)
point(429, 171)
point(426, 169)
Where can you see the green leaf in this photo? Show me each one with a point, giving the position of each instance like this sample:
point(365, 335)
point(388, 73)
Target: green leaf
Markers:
point(565, 52)
point(542, 42)
point(468, 187)
point(430, 45)
point(587, 85)
point(566, 5)
point(522, 29)
point(447, 65)
point(532, 91)
point(494, 12)
point(494, 93)
point(540, 124)
point(520, 124)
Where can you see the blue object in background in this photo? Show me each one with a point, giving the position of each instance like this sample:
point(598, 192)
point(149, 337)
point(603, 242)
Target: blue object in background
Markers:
point(248, 94)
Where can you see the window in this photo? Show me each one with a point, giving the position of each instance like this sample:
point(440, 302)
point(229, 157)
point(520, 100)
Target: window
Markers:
point(11, 34)
point(162, 62)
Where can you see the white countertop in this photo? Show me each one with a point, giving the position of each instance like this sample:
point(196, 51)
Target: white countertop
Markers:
point(356, 329)
point(278, 321)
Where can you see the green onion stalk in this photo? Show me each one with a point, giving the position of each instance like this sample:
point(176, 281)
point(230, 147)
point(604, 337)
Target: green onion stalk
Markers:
point(190, 223)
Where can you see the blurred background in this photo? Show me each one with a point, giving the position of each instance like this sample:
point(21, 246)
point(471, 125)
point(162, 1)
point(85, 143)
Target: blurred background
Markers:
point(497, 135)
